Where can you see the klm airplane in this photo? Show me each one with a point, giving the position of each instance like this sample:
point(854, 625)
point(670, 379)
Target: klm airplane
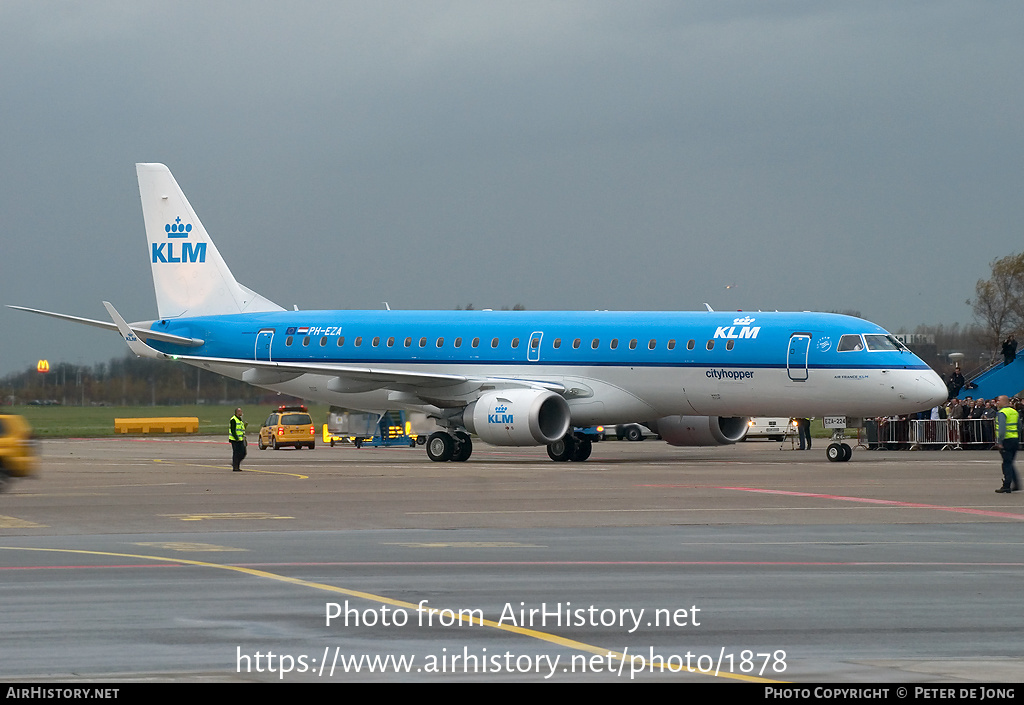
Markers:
point(516, 378)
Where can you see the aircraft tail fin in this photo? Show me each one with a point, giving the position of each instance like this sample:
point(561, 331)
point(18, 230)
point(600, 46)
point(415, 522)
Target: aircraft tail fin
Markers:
point(189, 275)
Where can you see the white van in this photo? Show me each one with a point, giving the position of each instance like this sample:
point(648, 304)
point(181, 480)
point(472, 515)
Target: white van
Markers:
point(775, 429)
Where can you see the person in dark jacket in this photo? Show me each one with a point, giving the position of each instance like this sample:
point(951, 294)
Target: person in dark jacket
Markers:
point(1009, 350)
point(955, 383)
point(803, 429)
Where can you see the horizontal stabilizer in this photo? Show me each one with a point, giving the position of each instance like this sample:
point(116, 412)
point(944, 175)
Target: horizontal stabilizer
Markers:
point(139, 329)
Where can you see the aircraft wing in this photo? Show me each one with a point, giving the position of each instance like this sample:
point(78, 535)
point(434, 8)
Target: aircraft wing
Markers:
point(429, 386)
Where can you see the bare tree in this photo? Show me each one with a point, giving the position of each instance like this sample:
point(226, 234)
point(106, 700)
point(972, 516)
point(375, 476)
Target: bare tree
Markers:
point(998, 302)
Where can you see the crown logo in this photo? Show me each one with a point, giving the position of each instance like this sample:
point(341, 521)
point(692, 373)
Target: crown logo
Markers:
point(500, 409)
point(177, 229)
point(745, 321)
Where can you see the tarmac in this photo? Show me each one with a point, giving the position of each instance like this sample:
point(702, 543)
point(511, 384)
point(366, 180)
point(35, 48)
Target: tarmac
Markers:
point(139, 559)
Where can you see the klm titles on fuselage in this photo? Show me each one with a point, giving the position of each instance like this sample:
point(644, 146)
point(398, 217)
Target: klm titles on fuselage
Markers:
point(746, 330)
point(189, 252)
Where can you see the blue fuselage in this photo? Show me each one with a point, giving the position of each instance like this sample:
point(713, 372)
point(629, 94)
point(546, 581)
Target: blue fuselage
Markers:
point(711, 363)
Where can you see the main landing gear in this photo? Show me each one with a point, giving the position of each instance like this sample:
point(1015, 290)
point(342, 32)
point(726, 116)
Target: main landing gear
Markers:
point(837, 451)
point(457, 446)
point(569, 447)
point(443, 446)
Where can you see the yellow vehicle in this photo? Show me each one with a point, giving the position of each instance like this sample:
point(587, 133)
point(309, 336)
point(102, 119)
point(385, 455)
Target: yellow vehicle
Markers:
point(288, 426)
point(19, 451)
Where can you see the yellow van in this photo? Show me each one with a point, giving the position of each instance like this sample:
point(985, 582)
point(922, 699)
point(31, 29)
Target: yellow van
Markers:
point(19, 451)
point(288, 426)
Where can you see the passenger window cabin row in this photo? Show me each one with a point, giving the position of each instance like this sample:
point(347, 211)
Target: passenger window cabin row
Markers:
point(534, 343)
point(847, 343)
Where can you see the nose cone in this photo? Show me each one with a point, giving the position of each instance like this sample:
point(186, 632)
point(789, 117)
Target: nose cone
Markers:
point(929, 389)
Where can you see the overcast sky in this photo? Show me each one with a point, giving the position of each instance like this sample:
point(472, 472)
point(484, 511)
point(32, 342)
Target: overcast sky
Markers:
point(561, 155)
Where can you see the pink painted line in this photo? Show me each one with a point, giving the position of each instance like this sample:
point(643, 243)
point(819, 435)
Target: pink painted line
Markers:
point(91, 567)
point(887, 502)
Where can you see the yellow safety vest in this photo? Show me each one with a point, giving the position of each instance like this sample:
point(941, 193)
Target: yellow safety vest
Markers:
point(238, 432)
point(1011, 418)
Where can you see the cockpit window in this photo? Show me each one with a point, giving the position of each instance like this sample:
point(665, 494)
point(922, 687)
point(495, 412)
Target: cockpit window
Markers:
point(883, 342)
point(850, 342)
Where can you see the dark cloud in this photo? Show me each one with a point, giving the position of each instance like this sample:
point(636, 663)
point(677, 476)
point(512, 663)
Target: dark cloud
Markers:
point(560, 155)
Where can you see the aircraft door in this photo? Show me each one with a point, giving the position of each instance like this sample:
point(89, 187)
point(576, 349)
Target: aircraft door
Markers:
point(263, 340)
point(533, 349)
point(796, 362)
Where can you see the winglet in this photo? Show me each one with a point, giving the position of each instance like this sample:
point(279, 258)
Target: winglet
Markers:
point(136, 345)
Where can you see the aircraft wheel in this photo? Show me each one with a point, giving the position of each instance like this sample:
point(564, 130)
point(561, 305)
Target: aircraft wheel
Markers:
point(562, 450)
point(464, 448)
point(834, 453)
point(582, 450)
point(847, 452)
point(440, 447)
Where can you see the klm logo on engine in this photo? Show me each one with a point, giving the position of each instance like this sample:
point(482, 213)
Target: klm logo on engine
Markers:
point(187, 252)
point(499, 415)
point(745, 329)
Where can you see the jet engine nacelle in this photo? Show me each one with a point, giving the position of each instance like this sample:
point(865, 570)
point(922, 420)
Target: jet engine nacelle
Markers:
point(700, 430)
point(518, 417)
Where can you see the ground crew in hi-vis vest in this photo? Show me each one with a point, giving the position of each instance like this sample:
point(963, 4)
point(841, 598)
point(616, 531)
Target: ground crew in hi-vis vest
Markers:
point(236, 434)
point(1007, 441)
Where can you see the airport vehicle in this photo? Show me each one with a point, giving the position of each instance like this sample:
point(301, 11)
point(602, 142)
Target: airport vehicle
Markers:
point(288, 426)
point(774, 428)
point(515, 378)
point(632, 432)
point(596, 433)
point(346, 426)
point(392, 428)
point(19, 451)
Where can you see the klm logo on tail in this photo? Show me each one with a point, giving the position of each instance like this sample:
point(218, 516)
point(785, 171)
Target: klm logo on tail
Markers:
point(188, 252)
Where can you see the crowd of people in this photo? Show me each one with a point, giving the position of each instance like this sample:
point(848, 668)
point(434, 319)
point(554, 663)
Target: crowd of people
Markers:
point(964, 422)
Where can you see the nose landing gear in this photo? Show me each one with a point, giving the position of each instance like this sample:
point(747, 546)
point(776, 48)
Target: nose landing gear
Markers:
point(837, 451)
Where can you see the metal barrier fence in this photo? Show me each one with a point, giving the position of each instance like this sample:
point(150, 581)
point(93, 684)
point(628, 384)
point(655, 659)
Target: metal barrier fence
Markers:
point(947, 434)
